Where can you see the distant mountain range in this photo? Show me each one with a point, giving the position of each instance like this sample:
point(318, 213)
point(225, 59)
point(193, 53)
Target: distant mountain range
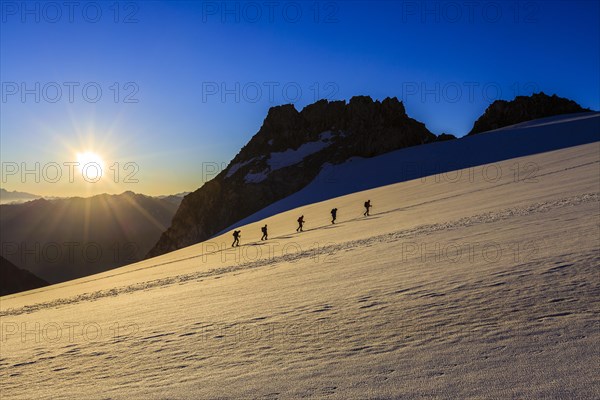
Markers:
point(7, 197)
point(174, 198)
point(69, 238)
point(15, 197)
point(292, 147)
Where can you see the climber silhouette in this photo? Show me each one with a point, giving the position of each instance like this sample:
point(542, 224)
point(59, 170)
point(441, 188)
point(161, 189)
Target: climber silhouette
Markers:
point(367, 207)
point(236, 238)
point(264, 232)
point(300, 223)
point(333, 215)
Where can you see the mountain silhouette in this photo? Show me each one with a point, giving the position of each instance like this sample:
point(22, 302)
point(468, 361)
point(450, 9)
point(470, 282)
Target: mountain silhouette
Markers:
point(69, 238)
point(503, 113)
point(14, 279)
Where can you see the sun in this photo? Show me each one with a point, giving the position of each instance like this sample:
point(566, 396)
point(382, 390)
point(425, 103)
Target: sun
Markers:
point(91, 162)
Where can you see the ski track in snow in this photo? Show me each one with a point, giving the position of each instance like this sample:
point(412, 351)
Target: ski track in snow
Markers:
point(331, 249)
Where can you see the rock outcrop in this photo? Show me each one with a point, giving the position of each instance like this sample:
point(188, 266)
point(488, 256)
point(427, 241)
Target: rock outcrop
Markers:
point(503, 113)
point(445, 136)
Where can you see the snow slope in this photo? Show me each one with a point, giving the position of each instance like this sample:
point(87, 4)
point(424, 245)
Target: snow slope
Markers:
point(458, 286)
point(518, 140)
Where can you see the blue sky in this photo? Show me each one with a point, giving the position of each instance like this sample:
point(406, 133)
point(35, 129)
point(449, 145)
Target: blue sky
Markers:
point(184, 85)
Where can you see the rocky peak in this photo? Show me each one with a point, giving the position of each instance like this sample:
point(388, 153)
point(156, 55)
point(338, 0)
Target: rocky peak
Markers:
point(281, 122)
point(503, 113)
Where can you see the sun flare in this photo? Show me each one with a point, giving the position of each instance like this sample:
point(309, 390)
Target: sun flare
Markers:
point(89, 159)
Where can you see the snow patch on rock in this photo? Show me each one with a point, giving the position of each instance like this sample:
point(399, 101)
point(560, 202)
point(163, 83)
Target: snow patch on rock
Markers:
point(282, 159)
point(235, 167)
point(290, 157)
point(256, 177)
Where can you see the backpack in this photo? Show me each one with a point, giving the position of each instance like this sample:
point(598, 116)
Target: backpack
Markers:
point(367, 204)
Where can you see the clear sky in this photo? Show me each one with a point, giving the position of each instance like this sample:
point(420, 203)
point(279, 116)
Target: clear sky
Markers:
point(170, 91)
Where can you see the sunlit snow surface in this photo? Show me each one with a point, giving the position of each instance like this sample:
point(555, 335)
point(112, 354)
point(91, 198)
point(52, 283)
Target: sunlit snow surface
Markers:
point(460, 285)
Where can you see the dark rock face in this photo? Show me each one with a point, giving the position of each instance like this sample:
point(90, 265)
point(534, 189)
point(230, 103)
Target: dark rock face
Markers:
point(14, 279)
point(285, 155)
point(445, 136)
point(503, 113)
